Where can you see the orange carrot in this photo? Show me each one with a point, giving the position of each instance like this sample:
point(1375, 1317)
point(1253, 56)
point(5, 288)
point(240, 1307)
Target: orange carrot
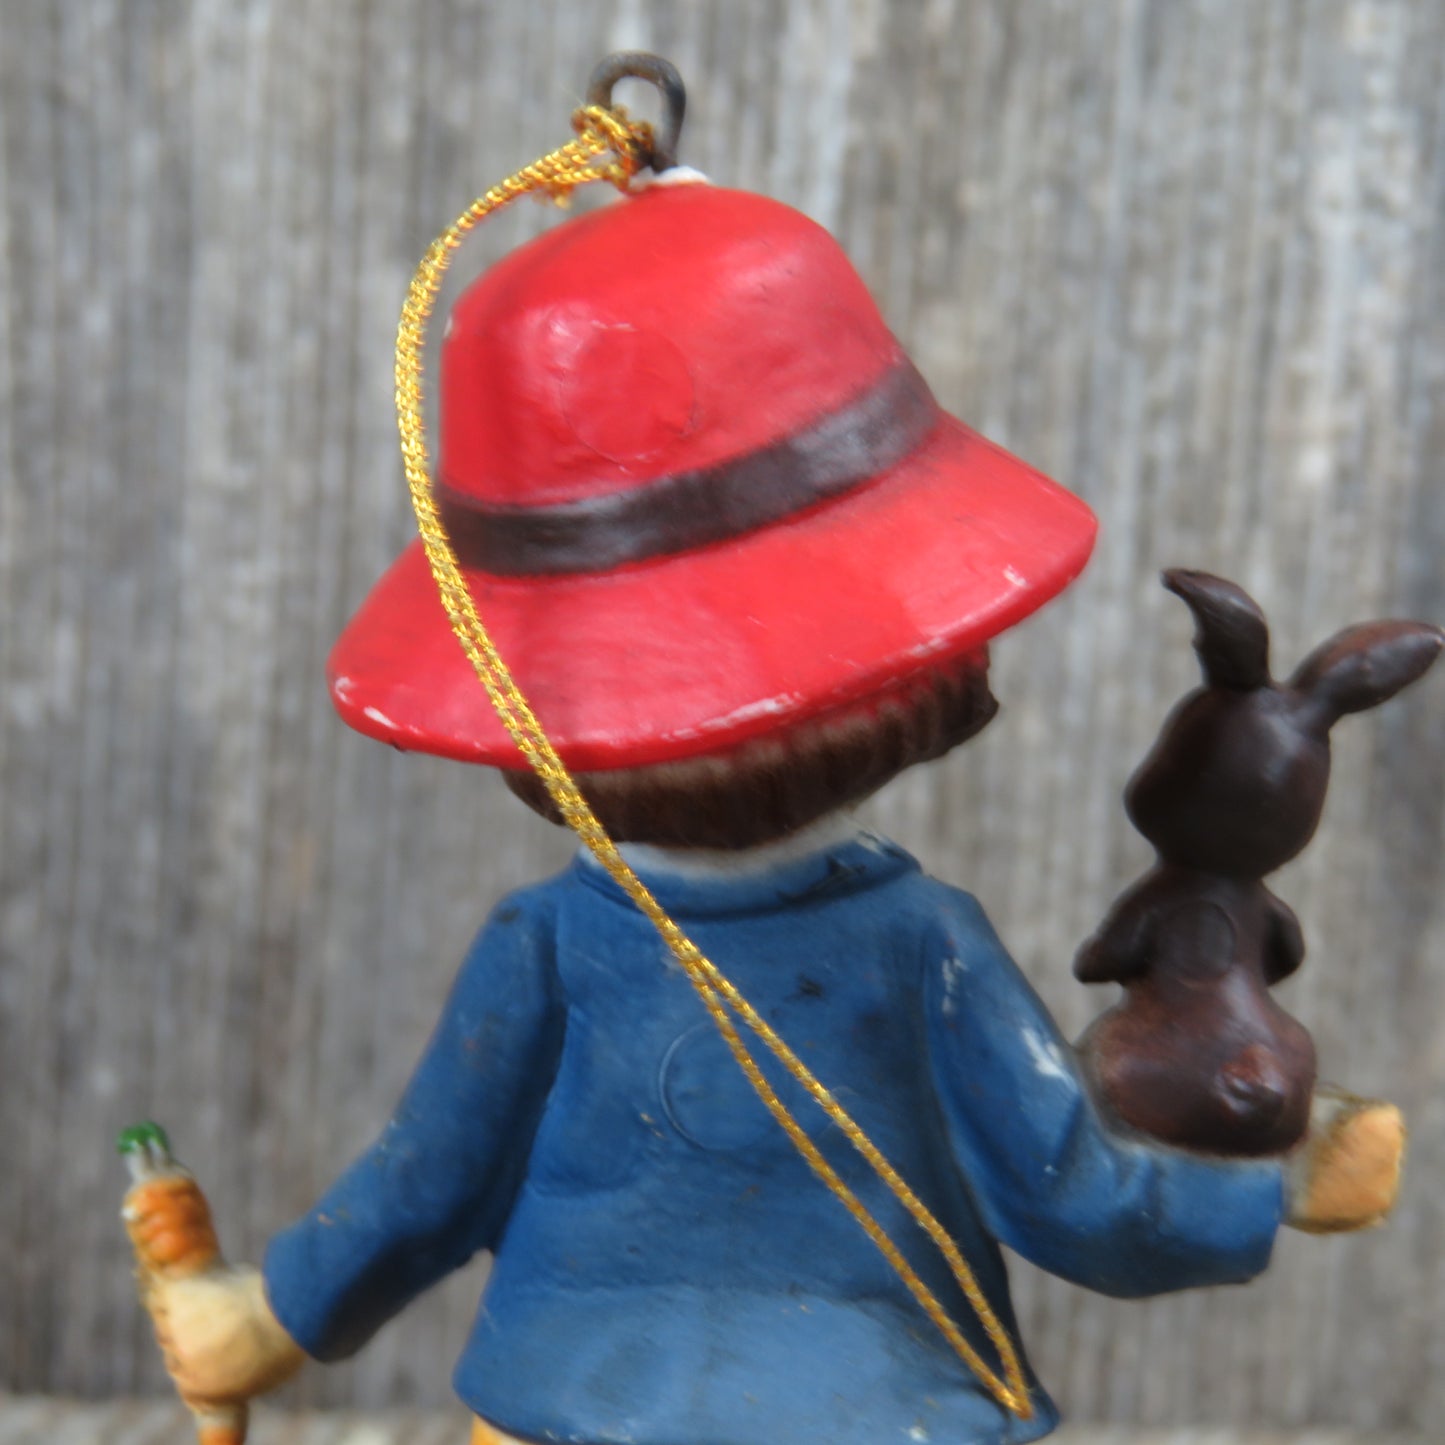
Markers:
point(169, 1223)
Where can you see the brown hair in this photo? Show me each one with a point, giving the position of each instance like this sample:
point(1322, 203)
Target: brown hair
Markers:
point(772, 786)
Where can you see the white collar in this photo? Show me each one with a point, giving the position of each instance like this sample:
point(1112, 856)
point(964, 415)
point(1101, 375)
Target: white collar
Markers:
point(702, 864)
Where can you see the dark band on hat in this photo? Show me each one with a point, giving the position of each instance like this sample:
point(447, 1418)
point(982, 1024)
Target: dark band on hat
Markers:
point(847, 448)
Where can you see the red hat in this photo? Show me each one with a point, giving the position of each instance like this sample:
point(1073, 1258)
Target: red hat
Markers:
point(700, 494)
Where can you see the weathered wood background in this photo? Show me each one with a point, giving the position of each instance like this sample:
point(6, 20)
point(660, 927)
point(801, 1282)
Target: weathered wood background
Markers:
point(1187, 257)
point(34, 1420)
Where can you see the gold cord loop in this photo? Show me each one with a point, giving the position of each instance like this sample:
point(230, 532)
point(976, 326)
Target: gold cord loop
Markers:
point(611, 148)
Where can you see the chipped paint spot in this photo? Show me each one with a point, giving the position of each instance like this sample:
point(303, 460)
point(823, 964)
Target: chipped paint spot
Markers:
point(673, 176)
point(954, 969)
point(1048, 1059)
point(764, 707)
point(342, 687)
point(1015, 577)
point(927, 648)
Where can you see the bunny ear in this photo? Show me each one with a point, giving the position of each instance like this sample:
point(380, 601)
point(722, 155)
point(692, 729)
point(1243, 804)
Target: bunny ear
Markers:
point(1363, 666)
point(1231, 636)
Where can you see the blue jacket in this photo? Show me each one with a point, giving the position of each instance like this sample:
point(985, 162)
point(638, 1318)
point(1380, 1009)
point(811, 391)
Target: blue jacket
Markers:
point(668, 1271)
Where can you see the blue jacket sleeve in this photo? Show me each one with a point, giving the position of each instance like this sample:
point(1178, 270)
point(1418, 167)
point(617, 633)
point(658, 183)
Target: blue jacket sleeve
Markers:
point(439, 1182)
point(1111, 1212)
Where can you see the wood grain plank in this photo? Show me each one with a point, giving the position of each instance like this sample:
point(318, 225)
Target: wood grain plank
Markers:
point(30, 1421)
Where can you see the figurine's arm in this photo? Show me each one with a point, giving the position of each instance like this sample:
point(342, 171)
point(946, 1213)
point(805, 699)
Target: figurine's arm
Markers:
point(439, 1182)
point(1284, 941)
point(1109, 1212)
point(1123, 944)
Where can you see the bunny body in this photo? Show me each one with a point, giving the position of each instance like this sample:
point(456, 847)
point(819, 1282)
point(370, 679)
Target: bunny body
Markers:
point(1198, 1053)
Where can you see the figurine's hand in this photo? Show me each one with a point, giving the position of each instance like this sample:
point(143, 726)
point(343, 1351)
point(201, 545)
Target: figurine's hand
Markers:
point(222, 1344)
point(1346, 1174)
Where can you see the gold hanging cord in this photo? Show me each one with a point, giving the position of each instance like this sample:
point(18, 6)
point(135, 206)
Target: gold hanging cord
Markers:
point(611, 148)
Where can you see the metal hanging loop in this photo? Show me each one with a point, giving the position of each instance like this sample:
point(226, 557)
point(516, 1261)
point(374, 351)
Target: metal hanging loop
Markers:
point(657, 72)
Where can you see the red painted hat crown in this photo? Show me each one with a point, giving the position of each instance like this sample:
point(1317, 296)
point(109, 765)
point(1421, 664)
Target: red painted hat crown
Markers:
point(699, 493)
point(666, 333)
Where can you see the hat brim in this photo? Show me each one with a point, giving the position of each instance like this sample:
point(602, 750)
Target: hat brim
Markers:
point(698, 652)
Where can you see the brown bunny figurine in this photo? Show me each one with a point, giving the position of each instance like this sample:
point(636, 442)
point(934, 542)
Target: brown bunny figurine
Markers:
point(1198, 1053)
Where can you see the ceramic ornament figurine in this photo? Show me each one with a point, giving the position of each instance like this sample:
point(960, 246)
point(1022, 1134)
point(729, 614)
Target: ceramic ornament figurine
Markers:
point(1199, 1053)
point(742, 1102)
